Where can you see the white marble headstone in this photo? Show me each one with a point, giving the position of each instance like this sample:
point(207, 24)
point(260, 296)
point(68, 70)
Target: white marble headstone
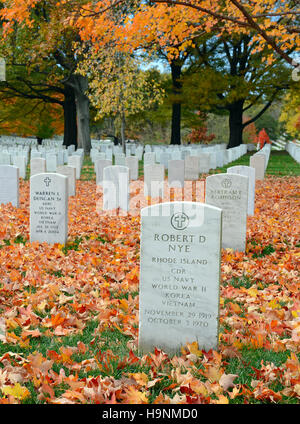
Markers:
point(120, 159)
point(70, 172)
point(49, 208)
point(51, 162)
point(249, 172)
point(176, 174)
point(37, 166)
point(179, 276)
point(258, 161)
point(20, 162)
point(100, 164)
point(229, 192)
point(9, 185)
point(75, 160)
point(116, 187)
point(154, 176)
point(132, 163)
point(5, 158)
point(204, 163)
point(149, 158)
point(191, 168)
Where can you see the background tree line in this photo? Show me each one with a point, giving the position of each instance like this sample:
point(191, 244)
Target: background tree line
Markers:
point(166, 88)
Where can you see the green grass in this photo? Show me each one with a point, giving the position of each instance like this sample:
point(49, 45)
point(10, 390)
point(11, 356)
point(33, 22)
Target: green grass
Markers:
point(280, 164)
point(87, 170)
point(247, 366)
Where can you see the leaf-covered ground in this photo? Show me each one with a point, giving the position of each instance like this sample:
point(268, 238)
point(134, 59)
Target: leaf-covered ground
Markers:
point(69, 314)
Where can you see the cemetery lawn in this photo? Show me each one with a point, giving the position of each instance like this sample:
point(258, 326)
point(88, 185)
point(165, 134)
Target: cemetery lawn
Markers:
point(69, 313)
point(280, 163)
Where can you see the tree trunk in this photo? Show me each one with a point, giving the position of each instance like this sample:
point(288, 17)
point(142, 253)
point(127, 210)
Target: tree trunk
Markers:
point(176, 121)
point(70, 124)
point(176, 106)
point(123, 123)
point(236, 124)
point(80, 84)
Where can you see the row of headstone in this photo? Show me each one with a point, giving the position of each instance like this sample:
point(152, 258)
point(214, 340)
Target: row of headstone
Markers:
point(16, 156)
point(20, 141)
point(39, 165)
point(210, 157)
point(178, 170)
point(43, 158)
point(131, 162)
point(180, 249)
point(233, 192)
point(230, 192)
point(294, 150)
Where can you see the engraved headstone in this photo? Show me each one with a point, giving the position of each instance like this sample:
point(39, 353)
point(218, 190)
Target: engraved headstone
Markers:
point(164, 159)
point(108, 153)
point(249, 172)
point(176, 155)
point(120, 159)
point(60, 157)
point(99, 156)
point(75, 161)
point(70, 172)
point(51, 162)
point(258, 161)
point(37, 166)
point(149, 158)
point(100, 164)
point(20, 162)
point(176, 174)
point(132, 163)
point(179, 276)
point(191, 168)
point(204, 162)
point(229, 192)
point(154, 176)
point(116, 187)
point(5, 158)
point(9, 185)
point(49, 208)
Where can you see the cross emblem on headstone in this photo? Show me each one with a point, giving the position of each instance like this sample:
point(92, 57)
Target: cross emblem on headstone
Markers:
point(47, 181)
point(179, 221)
point(226, 183)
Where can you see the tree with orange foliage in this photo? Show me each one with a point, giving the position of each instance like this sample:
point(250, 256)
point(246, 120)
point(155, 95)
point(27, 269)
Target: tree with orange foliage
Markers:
point(175, 27)
point(263, 138)
point(171, 24)
point(199, 132)
point(38, 44)
point(274, 24)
